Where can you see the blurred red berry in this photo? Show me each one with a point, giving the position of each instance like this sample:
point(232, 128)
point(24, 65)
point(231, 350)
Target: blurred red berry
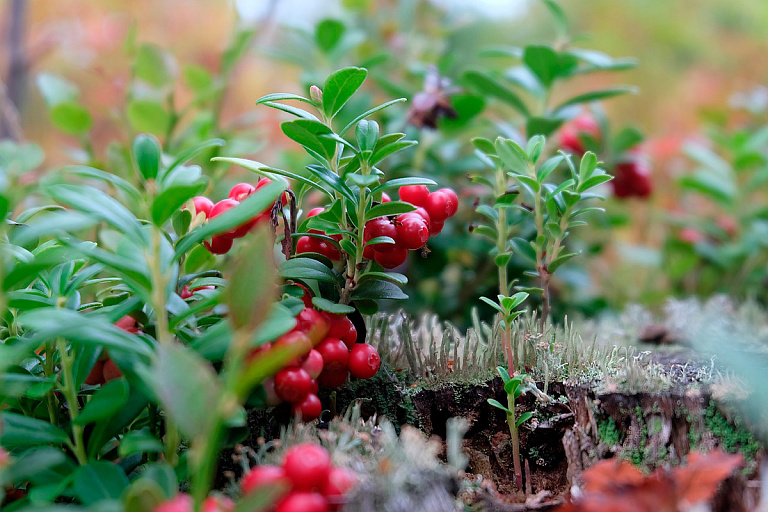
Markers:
point(309, 409)
point(313, 364)
point(307, 465)
point(302, 502)
point(241, 191)
point(292, 384)
point(261, 476)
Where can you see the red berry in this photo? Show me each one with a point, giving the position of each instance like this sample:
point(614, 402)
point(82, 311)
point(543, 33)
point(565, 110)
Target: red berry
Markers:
point(340, 326)
point(315, 211)
point(436, 227)
point(350, 338)
point(271, 397)
point(420, 212)
point(128, 323)
point(390, 260)
point(244, 228)
point(305, 244)
point(218, 504)
point(306, 466)
point(691, 235)
point(314, 364)
point(570, 133)
point(307, 297)
point(302, 502)
point(454, 197)
point(111, 371)
point(266, 181)
point(261, 476)
point(241, 191)
point(377, 227)
point(315, 387)
point(179, 503)
point(327, 249)
point(385, 198)
point(219, 244)
point(632, 178)
point(292, 384)
point(412, 231)
point(309, 409)
point(335, 354)
point(333, 379)
point(96, 375)
point(364, 361)
point(441, 205)
point(313, 324)
point(414, 194)
point(202, 204)
point(340, 482)
point(296, 343)
point(368, 252)
point(222, 206)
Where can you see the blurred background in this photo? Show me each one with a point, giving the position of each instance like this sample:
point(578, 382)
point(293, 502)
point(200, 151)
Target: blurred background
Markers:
point(85, 76)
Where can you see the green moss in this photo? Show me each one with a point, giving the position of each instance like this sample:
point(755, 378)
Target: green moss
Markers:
point(608, 432)
point(734, 437)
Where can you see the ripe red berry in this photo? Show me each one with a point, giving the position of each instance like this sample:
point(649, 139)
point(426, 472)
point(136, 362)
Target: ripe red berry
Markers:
point(271, 397)
point(307, 465)
point(128, 324)
point(219, 244)
point(328, 250)
point(340, 482)
point(420, 212)
point(440, 205)
point(350, 338)
point(309, 409)
point(435, 228)
point(314, 364)
point(340, 326)
point(392, 259)
point(305, 244)
point(202, 204)
point(368, 252)
point(377, 227)
point(179, 503)
point(186, 293)
point(241, 191)
point(284, 198)
point(302, 502)
point(218, 504)
point(315, 211)
point(364, 361)
point(632, 178)
point(96, 375)
point(335, 354)
point(292, 384)
point(315, 387)
point(111, 371)
point(414, 194)
point(297, 343)
point(333, 379)
point(570, 133)
point(313, 324)
point(385, 198)
point(261, 476)
point(222, 206)
point(412, 231)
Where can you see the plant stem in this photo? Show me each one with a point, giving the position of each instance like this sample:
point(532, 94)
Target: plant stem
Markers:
point(502, 229)
point(50, 372)
point(511, 421)
point(353, 270)
point(70, 394)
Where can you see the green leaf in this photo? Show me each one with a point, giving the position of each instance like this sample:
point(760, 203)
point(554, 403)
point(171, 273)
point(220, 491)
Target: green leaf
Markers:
point(331, 307)
point(99, 481)
point(561, 20)
point(173, 197)
point(543, 61)
point(154, 65)
point(105, 402)
point(524, 417)
point(18, 431)
point(192, 152)
point(535, 125)
point(270, 172)
point(279, 96)
point(252, 285)
point(246, 210)
point(367, 133)
point(369, 112)
point(138, 441)
point(378, 290)
point(594, 181)
point(339, 87)
point(122, 185)
point(626, 139)
point(71, 118)
point(363, 181)
point(401, 182)
point(523, 248)
point(147, 153)
point(557, 262)
point(290, 109)
point(498, 405)
point(484, 145)
point(503, 373)
point(328, 34)
point(386, 209)
point(148, 116)
point(394, 277)
point(308, 133)
point(596, 96)
point(486, 84)
point(307, 269)
point(587, 166)
point(513, 156)
point(180, 377)
point(501, 260)
point(104, 431)
point(56, 90)
point(333, 181)
point(493, 304)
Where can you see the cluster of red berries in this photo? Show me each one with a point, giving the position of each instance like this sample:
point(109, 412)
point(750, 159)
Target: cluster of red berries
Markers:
point(318, 245)
point(184, 503)
point(105, 368)
point(328, 353)
point(632, 177)
point(411, 230)
point(222, 242)
point(315, 484)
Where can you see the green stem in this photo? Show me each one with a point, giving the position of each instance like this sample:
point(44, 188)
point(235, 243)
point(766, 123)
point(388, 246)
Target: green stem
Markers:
point(502, 229)
point(50, 372)
point(70, 394)
point(511, 421)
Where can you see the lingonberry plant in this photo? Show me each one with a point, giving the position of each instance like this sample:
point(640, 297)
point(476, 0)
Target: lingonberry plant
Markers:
point(360, 229)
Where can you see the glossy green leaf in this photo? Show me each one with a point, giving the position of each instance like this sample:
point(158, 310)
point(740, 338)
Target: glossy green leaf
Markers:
point(147, 153)
point(339, 87)
point(386, 209)
point(368, 113)
point(98, 481)
point(105, 402)
point(498, 405)
point(486, 84)
point(18, 430)
point(307, 269)
point(598, 95)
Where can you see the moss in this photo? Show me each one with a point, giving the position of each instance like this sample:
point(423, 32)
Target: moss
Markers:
point(733, 436)
point(608, 432)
